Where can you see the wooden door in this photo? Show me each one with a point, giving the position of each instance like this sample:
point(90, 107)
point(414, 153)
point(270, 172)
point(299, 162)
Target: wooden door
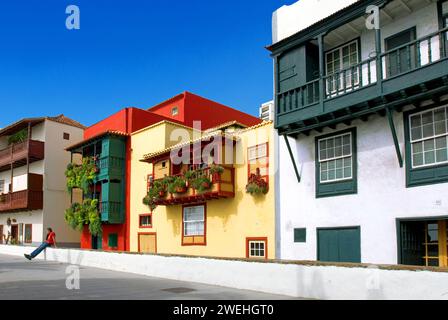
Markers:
point(1, 234)
point(147, 243)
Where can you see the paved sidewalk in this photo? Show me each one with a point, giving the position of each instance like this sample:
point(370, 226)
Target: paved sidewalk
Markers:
point(23, 279)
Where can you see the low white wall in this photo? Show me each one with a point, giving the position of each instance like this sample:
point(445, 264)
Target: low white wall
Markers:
point(319, 282)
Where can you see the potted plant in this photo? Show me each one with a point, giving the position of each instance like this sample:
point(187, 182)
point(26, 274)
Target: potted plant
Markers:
point(179, 185)
point(256, 185)
point(189, 176)
point(216, 171)
point(160, 188)
point(202, 184)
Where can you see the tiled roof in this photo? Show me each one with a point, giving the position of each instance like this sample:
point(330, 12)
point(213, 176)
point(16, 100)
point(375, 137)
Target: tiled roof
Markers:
point(65, 120)
point(102, 134)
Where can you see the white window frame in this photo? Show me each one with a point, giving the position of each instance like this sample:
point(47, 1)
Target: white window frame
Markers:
point(340, 86)
point(145, 216)
point(2, 186)
point(186, 222)
point(435, 136)
point(174, 111)
point(319, 141)
point(250, 242)
point(257, 152)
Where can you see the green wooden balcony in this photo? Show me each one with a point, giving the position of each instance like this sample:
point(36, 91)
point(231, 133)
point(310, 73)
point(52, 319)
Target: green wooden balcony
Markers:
point(407, 74)
point(111, 212)
point(110, 167)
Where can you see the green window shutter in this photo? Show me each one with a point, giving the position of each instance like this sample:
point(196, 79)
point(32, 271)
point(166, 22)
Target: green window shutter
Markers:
point(113, 240)
point(342, 187)
point(300, 235)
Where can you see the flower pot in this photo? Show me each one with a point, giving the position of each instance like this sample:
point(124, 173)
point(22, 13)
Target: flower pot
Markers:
point(216, 177)
point(205, 185)
point(181, 189)
point(161, 194)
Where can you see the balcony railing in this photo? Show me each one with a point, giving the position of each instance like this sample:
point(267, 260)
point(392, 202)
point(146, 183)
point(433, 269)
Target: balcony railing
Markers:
point(223, 186)
point(18, 153)
point(111, 211)
point(21, 201)
point(110, 166)
point(419, 61)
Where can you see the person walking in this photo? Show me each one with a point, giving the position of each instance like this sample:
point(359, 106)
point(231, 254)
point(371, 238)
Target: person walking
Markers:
point(49, 242)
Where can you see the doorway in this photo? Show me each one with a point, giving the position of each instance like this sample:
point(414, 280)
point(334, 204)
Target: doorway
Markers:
point(423, 243)
point(147, 242)
point(404, 58)
point(339, 244)
point(14, 234)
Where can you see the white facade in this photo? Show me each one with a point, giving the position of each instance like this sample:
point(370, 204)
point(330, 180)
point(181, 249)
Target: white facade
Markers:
point(382, 195)
point(55, 197)
point(267, 111)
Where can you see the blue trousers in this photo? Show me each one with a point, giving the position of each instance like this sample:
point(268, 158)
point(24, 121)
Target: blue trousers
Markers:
point(39, 249)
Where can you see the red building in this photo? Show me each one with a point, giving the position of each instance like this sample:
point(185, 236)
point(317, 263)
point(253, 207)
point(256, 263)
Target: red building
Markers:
point(109, 142)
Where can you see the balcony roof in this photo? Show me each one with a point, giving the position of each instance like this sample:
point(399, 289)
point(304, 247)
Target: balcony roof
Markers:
point(150, 156)
point(23, 123)
point(96, 137)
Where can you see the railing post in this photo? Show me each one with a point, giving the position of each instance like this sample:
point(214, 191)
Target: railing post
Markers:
point(320, 40)
point(379, 62)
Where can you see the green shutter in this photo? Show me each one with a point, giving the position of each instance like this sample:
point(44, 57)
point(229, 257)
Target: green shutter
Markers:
point(113, 240)
point(339, 245)
point(300, 235)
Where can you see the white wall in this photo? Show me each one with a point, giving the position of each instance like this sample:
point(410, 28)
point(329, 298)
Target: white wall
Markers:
point(31, 217)
point(382, 194)
point(56, 197)
point(319, 282)
point(291, 19)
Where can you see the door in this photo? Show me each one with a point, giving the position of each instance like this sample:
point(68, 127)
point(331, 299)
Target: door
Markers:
point(147, 243)
point(14, 234)
point(412, 239)
point(97, 242)
point(339, 245)
point(1, 234)
point(404, 58)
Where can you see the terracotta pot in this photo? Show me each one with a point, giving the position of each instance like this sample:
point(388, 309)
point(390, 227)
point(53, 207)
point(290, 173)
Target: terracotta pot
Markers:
point(181, 189)
point(161, 194)
point(216, 177)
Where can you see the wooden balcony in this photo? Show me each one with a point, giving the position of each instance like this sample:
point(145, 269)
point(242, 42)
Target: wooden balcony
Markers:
point(223, 187)
point(405, 75)
point(25, 200)
point(17, 154)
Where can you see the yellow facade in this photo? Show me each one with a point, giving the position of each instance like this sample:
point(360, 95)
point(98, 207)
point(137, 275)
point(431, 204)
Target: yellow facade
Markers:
point(229, 223)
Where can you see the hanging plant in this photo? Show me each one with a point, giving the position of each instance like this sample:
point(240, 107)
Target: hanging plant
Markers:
point(201, 184)
point(155, 193)
point(79, 215)
point(81, 176)
point(179, 185)
point(216, 169)
point(19, 136)
point(256, 185)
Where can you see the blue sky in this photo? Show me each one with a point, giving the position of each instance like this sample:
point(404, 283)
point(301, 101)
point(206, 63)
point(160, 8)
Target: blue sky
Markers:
point(132, 53)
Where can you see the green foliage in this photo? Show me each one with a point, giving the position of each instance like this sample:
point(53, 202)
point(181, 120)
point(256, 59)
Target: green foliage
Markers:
point(155, 193)
point(190, 175)
point(79, 215)
point(178, 185)
point(201, 184)
point(256, 185)
point(18, 137)
point(216, 168)
point(81, 176)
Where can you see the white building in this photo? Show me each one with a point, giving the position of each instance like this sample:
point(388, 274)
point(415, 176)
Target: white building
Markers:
point(267, 111)
point(33, 192)
point(362, 116)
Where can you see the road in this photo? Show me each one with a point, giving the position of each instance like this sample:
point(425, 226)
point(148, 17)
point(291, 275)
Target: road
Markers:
point(29, 280)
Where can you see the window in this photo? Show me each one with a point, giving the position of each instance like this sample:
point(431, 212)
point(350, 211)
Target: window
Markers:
point(256, 248)
point(336, 164)
point(340, 59)
point(145, 221)
point(258, 160)
point(174, 111)
point(426, 135)
point(28, 233)
point(404, 58)
point(429, 137)
point(112, 240)
point(66, 136)
point(194, 225)
point(300, 235)
point(335, 158)
point(2, 186)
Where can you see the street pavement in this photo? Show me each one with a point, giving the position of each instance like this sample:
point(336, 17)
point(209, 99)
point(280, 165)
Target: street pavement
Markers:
point(29, 280)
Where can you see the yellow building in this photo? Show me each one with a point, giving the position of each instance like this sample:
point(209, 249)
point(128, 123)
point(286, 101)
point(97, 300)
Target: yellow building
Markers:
point(206, 210)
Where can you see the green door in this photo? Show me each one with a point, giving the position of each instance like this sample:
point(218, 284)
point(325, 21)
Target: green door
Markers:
point(339, 245)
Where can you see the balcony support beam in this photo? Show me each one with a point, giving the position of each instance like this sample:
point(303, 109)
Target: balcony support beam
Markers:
point(389, 113)
point(291, 155)
point(320, 41)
